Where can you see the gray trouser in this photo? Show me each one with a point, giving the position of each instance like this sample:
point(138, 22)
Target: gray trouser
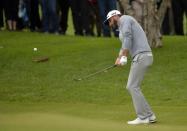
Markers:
point(139, 66)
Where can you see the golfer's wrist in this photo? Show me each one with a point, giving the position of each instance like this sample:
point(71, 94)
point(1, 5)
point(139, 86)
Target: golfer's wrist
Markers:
point(119, 57)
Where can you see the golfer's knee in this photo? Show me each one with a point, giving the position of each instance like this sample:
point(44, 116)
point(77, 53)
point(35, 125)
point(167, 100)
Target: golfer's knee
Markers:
point(131, 88)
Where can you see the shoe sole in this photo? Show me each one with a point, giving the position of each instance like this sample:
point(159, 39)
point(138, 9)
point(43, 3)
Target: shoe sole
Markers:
point(152, 121)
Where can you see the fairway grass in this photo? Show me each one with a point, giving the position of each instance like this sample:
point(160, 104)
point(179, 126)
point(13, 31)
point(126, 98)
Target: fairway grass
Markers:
point(44, 96)
point(85, 117)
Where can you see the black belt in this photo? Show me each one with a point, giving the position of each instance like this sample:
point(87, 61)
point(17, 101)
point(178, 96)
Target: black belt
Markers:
point(141, 53)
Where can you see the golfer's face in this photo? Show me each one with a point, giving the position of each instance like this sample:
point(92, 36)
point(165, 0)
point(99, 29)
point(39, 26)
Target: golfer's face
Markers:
point(111, 22)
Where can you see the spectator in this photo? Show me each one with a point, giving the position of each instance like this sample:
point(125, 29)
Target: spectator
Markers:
point(179, 9)
point(81, 19)
point(167, 24)
point(11, 11)
point(64, 9)
point(104, 7)
point(1, 14)
point(49, 16)
point(35, 22)
point(76, 14)
point(23, 14)
point(86, 21)
point(95, 18)
point(167, 27)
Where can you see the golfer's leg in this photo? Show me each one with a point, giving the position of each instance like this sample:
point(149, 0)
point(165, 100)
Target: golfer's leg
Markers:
point(136, 76)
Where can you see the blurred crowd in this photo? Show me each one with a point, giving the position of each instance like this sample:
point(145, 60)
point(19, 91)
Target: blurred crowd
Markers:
point(51, 16)
point(174, 18)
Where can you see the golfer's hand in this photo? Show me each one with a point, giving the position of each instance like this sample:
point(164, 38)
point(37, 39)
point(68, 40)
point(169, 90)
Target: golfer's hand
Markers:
point(118, 62)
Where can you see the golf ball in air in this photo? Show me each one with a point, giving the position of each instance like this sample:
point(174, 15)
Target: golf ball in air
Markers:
point(35, 49)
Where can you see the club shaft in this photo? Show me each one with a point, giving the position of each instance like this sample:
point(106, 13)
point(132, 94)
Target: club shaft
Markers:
point(98, 72)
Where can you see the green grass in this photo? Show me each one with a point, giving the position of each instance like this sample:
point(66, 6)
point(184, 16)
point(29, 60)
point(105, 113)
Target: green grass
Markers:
point(185, 24)
point(43, 96)
point(85, 117)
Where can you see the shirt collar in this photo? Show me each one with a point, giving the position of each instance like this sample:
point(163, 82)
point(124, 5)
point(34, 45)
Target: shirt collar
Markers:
point(120, 22)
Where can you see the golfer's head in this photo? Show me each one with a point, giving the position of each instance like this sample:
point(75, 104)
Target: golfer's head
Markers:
point(111, 19)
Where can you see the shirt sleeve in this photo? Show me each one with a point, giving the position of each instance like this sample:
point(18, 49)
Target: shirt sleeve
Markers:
point(127, 35)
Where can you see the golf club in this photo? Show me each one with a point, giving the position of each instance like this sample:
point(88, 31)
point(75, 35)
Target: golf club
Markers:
point(93, 74)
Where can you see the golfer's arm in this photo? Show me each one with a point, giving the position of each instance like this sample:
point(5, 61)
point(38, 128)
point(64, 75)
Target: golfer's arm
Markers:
point(123, 52)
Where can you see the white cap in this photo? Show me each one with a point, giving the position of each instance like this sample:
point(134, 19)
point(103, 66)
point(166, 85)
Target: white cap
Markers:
point(110, 14)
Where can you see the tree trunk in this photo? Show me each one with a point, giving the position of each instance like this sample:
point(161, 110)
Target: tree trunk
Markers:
point(151, 23)
point(147, 14)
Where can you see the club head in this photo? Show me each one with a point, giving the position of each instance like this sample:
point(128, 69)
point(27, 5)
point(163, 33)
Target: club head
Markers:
point(77, 79)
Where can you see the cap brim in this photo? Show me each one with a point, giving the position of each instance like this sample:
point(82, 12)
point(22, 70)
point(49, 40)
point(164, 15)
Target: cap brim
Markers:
point(106, 22)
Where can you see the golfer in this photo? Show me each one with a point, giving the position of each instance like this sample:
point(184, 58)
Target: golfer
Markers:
point(135, 44)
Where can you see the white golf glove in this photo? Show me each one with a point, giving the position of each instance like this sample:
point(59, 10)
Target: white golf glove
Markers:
point(123, 60)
